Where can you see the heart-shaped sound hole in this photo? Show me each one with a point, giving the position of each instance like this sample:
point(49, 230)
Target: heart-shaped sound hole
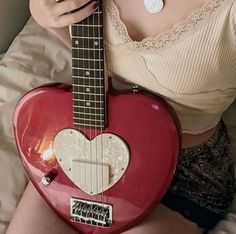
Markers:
point(94, 166)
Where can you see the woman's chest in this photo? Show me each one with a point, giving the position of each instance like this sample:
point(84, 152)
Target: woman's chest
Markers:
point(192, 57)
point(141, 24)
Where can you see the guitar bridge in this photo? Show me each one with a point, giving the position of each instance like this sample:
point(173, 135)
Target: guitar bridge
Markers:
point(91, 213)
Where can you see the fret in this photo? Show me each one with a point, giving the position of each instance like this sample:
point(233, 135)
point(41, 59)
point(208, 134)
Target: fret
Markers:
point(88, 83)
point(88, 96)
point(97, 12)
point(89, 125)
point(87, 54)
point(91, 43)
point(86, 31)
point(89, 38)
point(89, 59)
point(85, 49)
point(82, 89)
point(87, 93)
point(87, 77)
point(87, 64)
point(80, 72)
point(88, 119)
point(88, 86)
point(88, 25)
point(87, 69)
point(88, 100)
point(87, 110)
point(86, 107)
point(88, 104)
point(93, 115)
point(98, 84)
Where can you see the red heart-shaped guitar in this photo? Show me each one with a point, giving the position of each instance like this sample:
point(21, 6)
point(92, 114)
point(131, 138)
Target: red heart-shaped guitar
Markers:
point(101, 159)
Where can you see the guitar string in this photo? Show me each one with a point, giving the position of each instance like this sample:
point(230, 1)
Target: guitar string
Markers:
point(95, 117)
point(103, 82)
point(74, 90)
point(96, 102)
point(90, 103)
point(100, 111)
point(83, 98)
point(76, 81)
point(101, 97)
point(76, 87)
point(103, 91)
point(80, 80)
point(93, 78)
point(97, 45)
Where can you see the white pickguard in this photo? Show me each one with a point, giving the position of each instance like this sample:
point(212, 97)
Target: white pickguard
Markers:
point(94, 166)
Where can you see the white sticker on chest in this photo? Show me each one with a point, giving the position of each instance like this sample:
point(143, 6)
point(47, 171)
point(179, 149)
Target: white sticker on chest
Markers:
point(94, 166)
point(153, 6)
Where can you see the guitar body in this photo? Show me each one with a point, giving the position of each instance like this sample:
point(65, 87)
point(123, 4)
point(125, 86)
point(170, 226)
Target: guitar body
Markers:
point(142, 121)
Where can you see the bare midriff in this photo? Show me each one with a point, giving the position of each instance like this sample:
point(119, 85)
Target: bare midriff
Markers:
point(189, 140)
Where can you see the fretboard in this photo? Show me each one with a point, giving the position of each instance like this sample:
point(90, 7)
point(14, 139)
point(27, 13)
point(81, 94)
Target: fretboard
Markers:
point(88, 72)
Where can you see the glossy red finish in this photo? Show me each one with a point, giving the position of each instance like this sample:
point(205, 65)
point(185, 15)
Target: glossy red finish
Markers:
point(143, 121)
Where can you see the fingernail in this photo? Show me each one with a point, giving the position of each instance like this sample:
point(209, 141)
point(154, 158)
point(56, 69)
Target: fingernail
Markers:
point(95, 5)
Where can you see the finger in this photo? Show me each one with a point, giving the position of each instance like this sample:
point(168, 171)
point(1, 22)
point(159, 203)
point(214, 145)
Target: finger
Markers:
point(68, 19)
point(45, 4)
point(68, 6)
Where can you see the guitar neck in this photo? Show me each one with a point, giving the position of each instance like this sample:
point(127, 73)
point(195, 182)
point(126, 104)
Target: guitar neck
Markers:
point(88, 72)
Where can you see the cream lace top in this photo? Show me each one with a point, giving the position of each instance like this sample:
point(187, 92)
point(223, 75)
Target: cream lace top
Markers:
point(192, 66)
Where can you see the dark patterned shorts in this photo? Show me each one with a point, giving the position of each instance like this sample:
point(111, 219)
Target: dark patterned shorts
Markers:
point(204, 183)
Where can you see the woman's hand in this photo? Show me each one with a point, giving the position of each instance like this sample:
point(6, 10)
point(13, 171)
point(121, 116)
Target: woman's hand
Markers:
point(58, 14)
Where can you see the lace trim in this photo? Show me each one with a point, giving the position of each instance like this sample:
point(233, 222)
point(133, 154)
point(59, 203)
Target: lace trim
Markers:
point(179, 29)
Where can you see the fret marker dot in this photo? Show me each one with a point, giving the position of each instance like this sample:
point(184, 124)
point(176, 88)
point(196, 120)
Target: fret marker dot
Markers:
point(87, 73)
point(87, 103)
point(87, 89)
point(76, 42)
point(96, 43)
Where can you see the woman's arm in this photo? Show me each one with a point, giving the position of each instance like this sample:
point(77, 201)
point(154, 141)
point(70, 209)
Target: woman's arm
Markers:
point(56, 16)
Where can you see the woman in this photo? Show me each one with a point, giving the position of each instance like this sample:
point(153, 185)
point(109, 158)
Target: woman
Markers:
point(186, 52)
